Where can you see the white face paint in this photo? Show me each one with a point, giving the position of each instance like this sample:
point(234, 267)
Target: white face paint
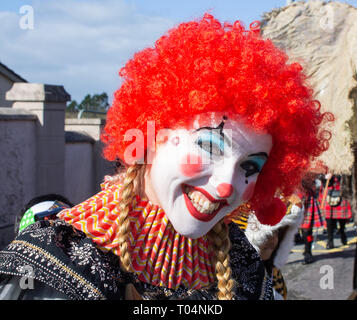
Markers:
point(200, 175)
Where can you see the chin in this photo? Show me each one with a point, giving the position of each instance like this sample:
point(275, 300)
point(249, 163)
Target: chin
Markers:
point(190, 234)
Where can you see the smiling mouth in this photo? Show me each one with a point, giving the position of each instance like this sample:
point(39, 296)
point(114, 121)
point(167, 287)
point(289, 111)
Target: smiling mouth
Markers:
point(201, 204)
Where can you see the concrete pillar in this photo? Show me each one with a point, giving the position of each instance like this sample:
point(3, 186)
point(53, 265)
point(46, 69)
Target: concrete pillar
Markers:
point(17, 167)
point(93, 127)
point(48, 102)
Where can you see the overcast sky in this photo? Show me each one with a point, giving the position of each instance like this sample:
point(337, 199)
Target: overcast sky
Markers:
point(81, 44)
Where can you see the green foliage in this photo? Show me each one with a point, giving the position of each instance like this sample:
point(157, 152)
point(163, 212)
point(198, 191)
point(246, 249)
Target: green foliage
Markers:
point(72, 106)
point(97, 102)
point(95, 106)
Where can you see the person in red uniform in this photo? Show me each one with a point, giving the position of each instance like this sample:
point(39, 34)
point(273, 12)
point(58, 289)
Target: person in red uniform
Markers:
point(312, 215)
point(335, 209)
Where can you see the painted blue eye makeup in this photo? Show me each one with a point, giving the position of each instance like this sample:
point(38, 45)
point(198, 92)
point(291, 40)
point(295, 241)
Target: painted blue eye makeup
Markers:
point(211, 142)
point(254, 164)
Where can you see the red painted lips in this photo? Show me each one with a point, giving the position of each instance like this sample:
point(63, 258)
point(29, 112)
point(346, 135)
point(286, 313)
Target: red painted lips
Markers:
point(197, 214)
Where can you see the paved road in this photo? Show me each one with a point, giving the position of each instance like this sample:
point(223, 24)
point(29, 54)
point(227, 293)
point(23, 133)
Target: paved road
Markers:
point(329, 277)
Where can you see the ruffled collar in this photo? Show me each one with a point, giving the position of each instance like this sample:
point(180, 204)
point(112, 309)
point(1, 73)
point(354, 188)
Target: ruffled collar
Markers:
point(160, 256)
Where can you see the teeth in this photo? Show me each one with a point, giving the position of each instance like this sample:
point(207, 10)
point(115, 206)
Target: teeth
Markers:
point(205, 205)
point(196, 198)
point(200, 202)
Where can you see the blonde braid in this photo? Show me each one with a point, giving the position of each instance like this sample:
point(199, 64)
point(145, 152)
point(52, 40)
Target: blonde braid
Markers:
point(127, 196)
point(220, 245)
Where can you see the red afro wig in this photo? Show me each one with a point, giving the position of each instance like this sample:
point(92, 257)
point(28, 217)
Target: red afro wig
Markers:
point(204, 66)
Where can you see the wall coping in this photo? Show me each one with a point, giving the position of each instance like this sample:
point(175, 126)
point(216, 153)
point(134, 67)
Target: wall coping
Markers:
point(85, 121)
point(34, 92)
point(9, 114)
point(78, 137)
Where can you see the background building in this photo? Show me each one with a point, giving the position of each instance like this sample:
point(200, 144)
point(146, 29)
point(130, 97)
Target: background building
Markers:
point(41, 152)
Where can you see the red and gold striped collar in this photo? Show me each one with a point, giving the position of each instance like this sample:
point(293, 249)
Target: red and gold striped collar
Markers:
point(160, 256)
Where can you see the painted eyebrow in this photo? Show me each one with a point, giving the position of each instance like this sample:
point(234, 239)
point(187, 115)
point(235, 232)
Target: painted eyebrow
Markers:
point(220, 133)
point(259, 154)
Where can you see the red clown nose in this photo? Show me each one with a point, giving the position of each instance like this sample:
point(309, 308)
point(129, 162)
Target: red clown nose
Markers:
point(224, 190)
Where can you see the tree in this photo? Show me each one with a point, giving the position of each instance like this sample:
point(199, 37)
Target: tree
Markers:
point(72, 106)
point(92, 106)
point(97, 103)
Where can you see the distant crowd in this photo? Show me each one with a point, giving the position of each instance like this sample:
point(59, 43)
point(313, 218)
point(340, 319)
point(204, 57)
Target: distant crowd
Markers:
point(325, 207)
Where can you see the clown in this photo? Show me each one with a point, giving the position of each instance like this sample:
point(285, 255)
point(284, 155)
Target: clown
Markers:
point(235, 123)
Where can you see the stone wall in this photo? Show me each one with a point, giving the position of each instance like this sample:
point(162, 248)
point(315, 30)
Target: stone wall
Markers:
point(5, 85)
point(42, 154)
point(79, 167)
point(17, 166)
point(48, 103)
point(93, 128)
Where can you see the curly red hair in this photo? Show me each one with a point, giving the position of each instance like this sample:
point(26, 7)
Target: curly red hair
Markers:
point(203, 66)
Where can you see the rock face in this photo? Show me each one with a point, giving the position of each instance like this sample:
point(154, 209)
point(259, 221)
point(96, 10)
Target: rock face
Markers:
point(322, 37)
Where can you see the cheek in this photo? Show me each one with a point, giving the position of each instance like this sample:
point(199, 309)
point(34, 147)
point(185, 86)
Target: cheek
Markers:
point(248, 193)
point(191, 165)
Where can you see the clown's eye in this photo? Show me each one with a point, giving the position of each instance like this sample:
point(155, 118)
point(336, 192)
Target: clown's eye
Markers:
point(211, 143)
point(252, 166)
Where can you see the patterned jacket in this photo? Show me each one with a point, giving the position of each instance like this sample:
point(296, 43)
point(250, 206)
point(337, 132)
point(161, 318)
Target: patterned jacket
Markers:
point(66, 264)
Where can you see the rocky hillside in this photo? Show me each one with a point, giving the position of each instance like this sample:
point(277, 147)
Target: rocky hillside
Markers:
point(322, 36)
